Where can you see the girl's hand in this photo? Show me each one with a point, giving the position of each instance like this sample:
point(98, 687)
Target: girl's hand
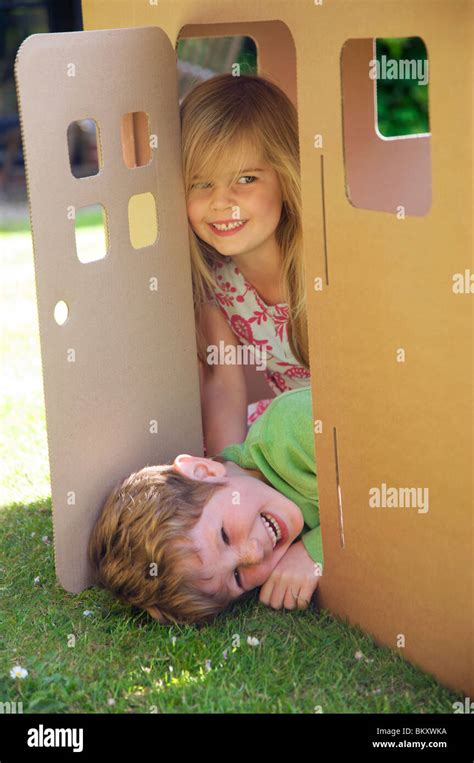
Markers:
point(293, 580)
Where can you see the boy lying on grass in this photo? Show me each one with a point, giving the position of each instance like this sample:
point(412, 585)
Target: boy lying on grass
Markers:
point(186, 540)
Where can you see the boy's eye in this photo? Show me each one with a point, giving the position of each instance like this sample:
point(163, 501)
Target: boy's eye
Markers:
point(236, 572)
point(252, 177)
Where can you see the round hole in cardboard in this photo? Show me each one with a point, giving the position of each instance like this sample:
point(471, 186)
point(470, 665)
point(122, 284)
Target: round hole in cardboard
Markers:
point(61, 312)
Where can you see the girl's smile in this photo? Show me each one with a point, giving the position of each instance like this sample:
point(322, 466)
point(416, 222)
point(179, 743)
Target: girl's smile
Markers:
point(227, 228)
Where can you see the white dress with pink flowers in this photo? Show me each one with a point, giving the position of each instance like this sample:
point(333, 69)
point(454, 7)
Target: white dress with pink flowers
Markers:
point(264, 326)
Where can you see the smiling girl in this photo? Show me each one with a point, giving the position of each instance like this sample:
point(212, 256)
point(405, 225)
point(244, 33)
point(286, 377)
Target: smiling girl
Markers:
point(242, 182)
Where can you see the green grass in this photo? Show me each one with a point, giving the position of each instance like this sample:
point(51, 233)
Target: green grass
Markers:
point(77, 663)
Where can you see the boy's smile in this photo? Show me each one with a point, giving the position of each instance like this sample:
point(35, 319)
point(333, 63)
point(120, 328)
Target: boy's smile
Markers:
point(235, 543)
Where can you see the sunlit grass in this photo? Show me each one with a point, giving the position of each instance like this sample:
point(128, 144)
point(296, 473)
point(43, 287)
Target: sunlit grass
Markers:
point(24, 469)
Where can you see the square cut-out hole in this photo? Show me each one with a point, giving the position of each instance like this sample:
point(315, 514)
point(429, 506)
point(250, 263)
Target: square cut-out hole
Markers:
point(142, 220)
point(136, 139)
point(386, 172)
point(91, 233)
point(85, 153)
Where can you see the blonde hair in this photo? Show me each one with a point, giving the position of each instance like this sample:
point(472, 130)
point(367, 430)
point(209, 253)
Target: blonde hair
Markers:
point(220, 118)
point(139, 544)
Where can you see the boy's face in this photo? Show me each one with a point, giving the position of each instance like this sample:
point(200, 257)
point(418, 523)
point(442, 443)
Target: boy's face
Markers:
point(231, 536)
point(255, 198)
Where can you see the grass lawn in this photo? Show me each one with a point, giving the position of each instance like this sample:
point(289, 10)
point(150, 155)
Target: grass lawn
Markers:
point(89, 653)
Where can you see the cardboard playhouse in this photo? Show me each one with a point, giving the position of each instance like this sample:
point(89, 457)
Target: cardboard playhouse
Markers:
point(387, 227)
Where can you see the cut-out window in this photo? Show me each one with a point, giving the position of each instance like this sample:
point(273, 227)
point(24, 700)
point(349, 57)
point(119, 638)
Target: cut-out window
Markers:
point(401, 71)
point(91, 233)
point(390, 174)
point(136, 142)
point(202, 57)
point(85, 154)
point(142, 220)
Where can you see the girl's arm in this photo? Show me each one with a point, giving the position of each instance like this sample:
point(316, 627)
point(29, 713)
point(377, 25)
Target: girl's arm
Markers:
point(223, 388)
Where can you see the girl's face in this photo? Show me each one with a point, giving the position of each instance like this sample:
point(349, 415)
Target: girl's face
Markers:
point(255, 200)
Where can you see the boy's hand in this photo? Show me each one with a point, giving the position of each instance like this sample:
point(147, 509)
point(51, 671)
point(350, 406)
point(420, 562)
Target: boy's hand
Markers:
point(293, 580)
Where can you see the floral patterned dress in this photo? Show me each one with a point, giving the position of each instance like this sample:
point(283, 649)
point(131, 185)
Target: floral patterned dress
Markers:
point(261, 325)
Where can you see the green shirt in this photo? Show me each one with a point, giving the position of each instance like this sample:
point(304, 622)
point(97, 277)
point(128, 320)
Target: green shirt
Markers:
point(281, 445)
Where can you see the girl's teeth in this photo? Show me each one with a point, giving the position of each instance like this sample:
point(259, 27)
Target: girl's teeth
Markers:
point(227, 226)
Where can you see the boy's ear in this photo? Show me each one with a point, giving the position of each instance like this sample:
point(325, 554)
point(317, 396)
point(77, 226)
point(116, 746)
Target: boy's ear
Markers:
point(156, 615)
point(199, 467)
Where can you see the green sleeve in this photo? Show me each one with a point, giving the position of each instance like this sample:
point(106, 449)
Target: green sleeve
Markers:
point(280, 444)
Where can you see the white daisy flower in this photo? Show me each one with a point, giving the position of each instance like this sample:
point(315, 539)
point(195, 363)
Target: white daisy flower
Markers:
point(253, 641)
point(18, 672)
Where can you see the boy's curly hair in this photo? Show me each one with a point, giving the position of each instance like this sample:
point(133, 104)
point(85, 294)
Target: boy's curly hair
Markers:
point(140, 542)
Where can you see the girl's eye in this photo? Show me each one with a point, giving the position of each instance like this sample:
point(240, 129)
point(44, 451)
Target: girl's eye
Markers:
point(204, 183)
point(237, 577)
point(224, 536)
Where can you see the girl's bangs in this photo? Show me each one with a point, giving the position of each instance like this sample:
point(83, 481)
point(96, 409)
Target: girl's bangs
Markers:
point(210, 160)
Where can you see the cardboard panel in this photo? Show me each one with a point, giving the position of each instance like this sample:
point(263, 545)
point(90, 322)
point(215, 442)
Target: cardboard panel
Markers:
point(126, 356)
